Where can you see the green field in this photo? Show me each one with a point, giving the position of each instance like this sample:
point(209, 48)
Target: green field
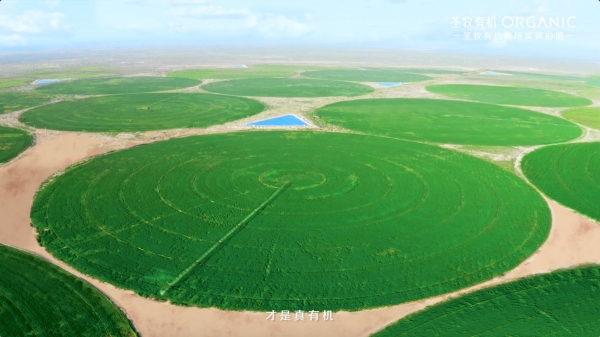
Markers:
point(454, 122)
point(569, 174)
point(589, 117)
point(367, 75)
point(7, 82)
point(141, 112)
point(255, 71)
point(509, 95)
point(433, 71)
point(563, 303)
point(56, 73)
point(12, 142)
point(592, 80)
point(117, 85)
point(595, 82)
point(290, 220)
point(548, 76)
point(39, 299)
point(287, 87)
point(15, 101)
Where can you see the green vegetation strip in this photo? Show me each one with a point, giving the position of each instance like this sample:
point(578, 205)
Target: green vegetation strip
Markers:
point(367, 75)
point(365, 221)
point(595, 82)
point(7, 82)
point(255, 71)
point(76, 72)
point(117, 85)
point(15, 101)
point(563, 303)
point(12, 142)
point(589, 117)
point(56, 73)
point(433, 71)
point(569, 174)
point(454, 122)
point(562, 79)
point(287, 87)
point(141, 112)
point(509, 95)
point(39, 299)
point(547, 76)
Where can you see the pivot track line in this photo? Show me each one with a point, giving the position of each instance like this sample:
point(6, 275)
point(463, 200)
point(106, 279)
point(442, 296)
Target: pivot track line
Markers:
point(226, 237)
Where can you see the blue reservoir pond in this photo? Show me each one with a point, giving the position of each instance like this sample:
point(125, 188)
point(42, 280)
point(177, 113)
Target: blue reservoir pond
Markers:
point(389, 84)
point(286, 120)
point(491, 73)
point(45, 81)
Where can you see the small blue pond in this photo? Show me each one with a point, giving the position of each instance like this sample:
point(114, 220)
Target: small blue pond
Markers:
point(287, 120)
point(45, 81)
point(389, 84)
point(491, 73)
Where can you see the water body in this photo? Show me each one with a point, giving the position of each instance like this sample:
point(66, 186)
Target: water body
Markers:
point(492, 73)
point(45, 81)
point(389, 84)
point(285, 121)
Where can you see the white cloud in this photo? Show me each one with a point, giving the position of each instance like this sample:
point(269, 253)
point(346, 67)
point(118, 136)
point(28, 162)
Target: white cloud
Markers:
point(187, 2)
point(32, 22)
point(211, 12)
point(403, 1)
point(11, 40)
point(134, 2)
point(52, 3)
point(190, 18)
point(498, 44)
point(277, 24)
point(542, 6)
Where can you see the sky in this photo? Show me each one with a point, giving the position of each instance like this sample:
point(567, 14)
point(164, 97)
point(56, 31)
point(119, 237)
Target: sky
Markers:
point(406, 24)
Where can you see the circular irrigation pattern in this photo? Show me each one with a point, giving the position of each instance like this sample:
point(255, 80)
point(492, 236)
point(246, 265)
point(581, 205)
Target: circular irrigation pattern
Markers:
point(290, 220)
point(509, 95)
point(15, 101)
point(569, 174)
point(117, 85)
point(563, 303)
point(38, 298)
point(367, 75)
point(12, 142)
point(589, 117)
point(287, 87)
point(453, 122)
point(141, 112)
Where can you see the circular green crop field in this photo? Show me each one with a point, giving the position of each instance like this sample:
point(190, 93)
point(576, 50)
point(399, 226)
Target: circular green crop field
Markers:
point(509, 95)
point(454, 122)
point(563, 303)
point(15, 101)
point(367, 75)
point(287, 87)
point(141, 112)
point(117, 85)
point(569, 174)
point(12, 142)
point(39, 299)
point(589, 117)
point(290, 221)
